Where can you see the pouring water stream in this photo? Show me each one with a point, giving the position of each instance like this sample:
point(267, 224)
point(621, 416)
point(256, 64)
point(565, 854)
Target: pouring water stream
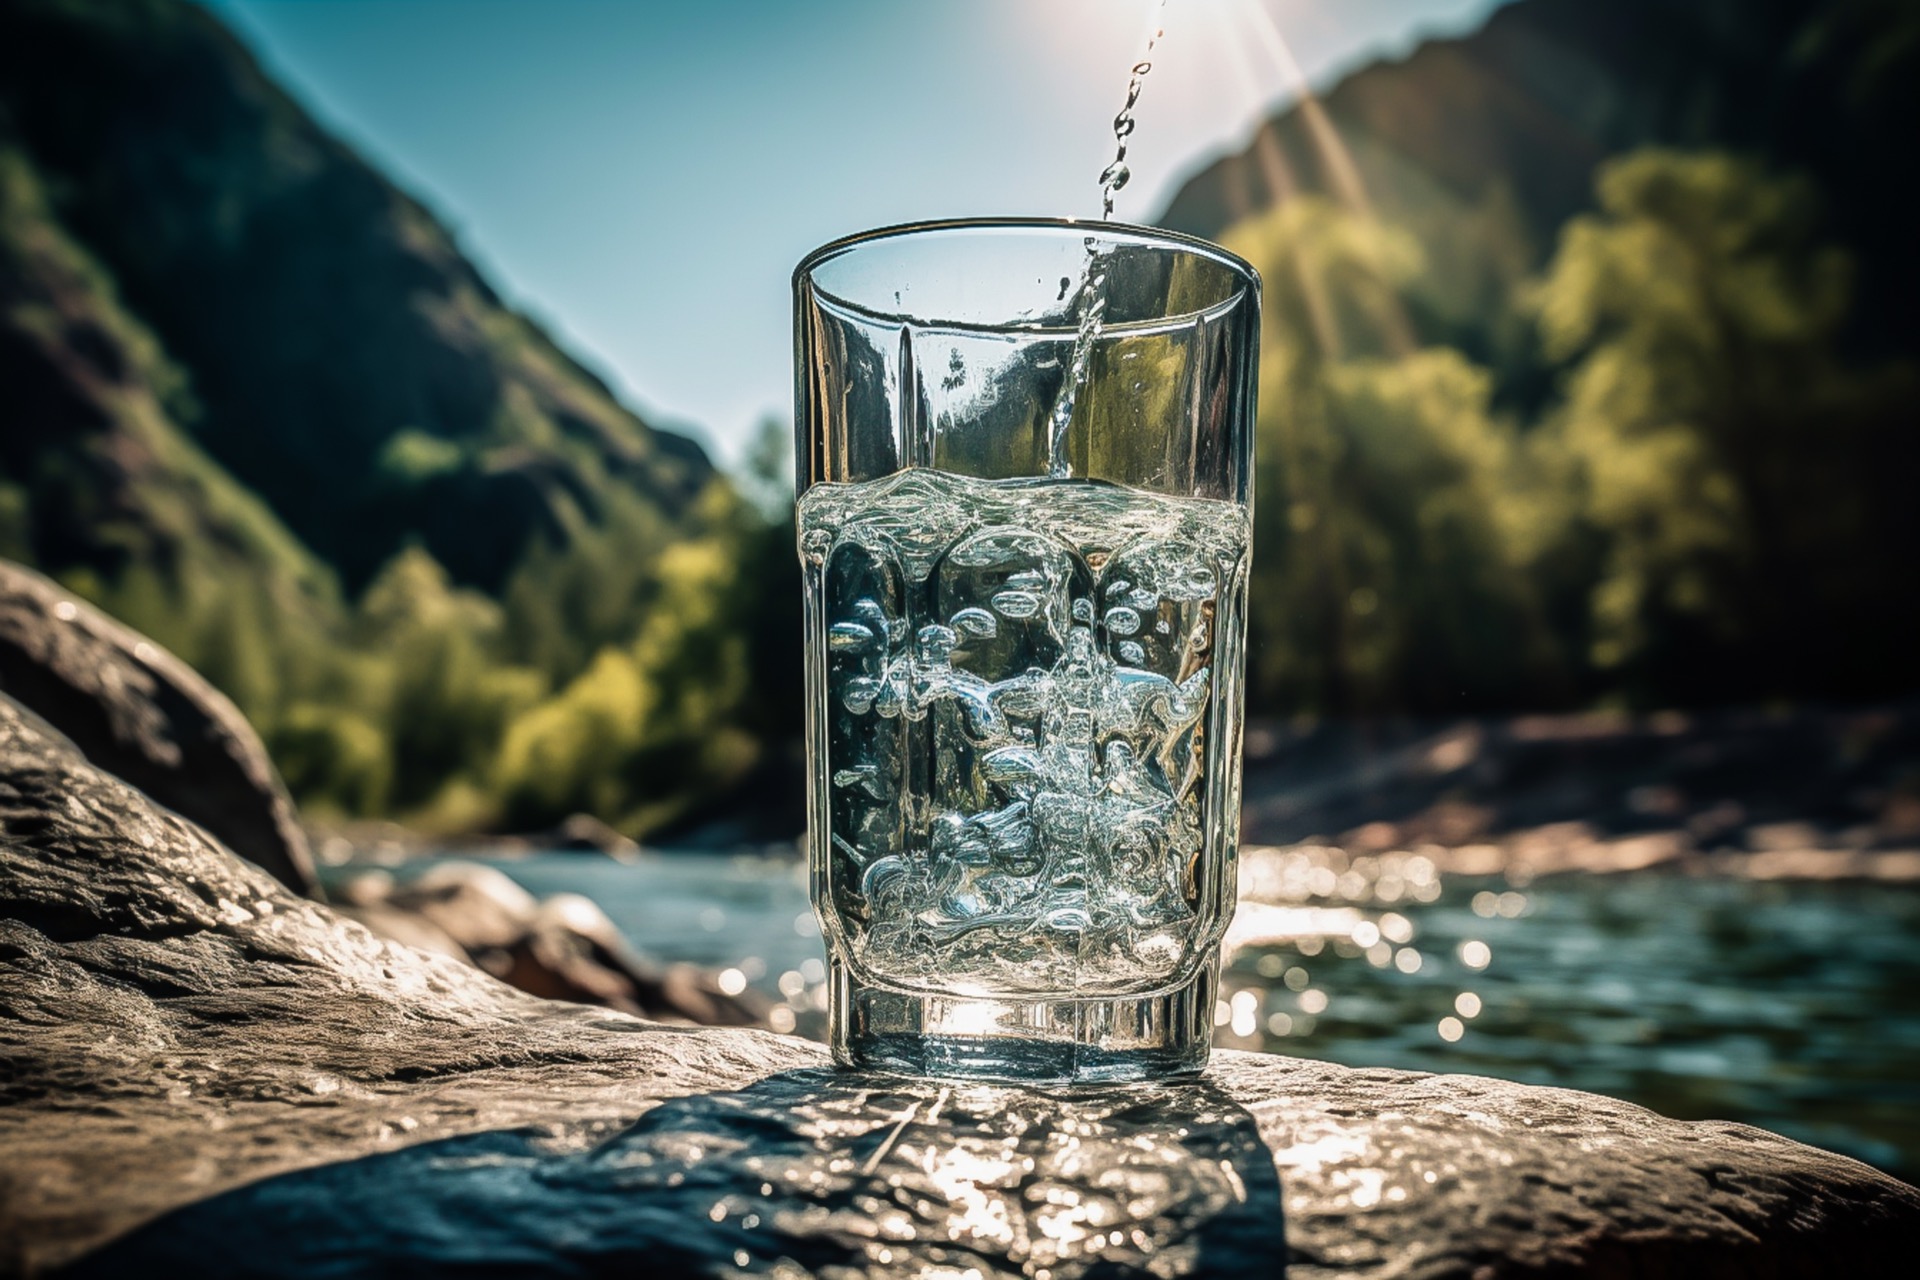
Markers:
point(1092, 297)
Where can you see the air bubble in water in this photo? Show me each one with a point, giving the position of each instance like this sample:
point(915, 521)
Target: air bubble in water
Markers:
point(975, 622)
point(848, 637)
point(858, 694)
point(1017, 604)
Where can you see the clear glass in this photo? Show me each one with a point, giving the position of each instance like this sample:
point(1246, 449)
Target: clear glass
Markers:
point(1025, 625)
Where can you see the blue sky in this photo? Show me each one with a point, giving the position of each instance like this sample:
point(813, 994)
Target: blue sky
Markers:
point(641, 175)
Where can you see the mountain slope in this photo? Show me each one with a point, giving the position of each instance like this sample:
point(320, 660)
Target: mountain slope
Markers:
point(97, 473)
point(348, 365)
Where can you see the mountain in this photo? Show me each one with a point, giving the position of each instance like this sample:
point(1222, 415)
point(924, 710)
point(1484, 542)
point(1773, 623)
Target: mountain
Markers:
point(96, 471)
point(225, 332)
point(255, 403)
point(1484, 146)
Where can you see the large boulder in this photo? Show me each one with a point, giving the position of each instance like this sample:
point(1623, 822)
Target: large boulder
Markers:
point(205, 1074)
point(141, 714)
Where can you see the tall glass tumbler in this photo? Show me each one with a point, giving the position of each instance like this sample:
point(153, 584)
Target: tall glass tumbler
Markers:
point(1024, 538)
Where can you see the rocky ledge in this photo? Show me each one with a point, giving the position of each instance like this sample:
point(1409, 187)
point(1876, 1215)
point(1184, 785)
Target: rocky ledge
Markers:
point(203, 1073)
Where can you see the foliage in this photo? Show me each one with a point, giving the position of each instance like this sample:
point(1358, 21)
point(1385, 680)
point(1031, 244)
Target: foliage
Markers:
point(1710, 508)
point(1397, 515)
point(1710, 470)
point(1734, 465)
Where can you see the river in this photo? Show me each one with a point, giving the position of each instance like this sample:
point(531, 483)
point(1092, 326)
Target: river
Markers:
point(1791, 1006)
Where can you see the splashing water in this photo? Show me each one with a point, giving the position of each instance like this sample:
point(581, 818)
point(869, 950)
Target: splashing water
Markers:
point(1092, 298)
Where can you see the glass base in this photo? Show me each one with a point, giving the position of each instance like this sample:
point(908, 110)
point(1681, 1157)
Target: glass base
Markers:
point(1104, 1038)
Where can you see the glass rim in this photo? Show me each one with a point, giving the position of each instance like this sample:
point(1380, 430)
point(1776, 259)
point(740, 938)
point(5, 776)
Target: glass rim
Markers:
point(1247, 274)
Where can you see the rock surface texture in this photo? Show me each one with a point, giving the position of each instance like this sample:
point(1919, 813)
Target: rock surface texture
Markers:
point(141, 714)
point(202, 1073)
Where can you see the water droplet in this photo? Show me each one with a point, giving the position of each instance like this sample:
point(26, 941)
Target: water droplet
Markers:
point(1115, 176)
point(1083, 610)
point(1131, 652)
point(1122, 621)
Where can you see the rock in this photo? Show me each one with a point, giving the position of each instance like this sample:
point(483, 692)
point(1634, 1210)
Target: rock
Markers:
point(205, 1074)
point(585, 833)
point(564, 948)
point(480, 907)
point(141, 714)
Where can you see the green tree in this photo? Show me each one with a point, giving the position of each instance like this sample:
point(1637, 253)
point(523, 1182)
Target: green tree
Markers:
point(655, 721)
point(1397, 517)
point(1736, 469)
point(448, 694)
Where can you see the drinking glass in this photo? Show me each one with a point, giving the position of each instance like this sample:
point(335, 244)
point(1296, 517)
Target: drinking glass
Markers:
point(1025, 487)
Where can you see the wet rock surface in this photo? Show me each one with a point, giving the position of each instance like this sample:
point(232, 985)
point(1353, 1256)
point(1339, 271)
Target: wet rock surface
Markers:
point(141, 714)
point(203, 1073)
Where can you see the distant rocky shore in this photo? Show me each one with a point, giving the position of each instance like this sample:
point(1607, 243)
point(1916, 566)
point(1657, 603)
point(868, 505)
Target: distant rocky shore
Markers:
point(1808, 793)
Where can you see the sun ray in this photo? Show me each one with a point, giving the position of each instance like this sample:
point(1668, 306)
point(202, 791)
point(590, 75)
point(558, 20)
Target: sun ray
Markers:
point(1282, 185)
point(1342, 172)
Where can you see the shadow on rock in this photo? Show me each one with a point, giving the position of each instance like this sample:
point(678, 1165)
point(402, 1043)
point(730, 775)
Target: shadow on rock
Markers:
point(809, 1169)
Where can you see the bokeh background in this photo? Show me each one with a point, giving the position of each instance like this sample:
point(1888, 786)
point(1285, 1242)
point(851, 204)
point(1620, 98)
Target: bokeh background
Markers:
point(418, 371)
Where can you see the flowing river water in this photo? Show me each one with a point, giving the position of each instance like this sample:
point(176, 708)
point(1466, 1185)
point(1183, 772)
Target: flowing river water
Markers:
point(1791, 1006)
